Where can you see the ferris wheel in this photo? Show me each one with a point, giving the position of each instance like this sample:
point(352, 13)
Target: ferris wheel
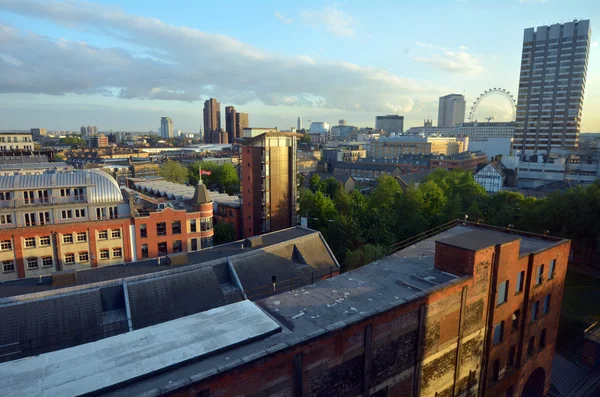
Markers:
point(494, 91)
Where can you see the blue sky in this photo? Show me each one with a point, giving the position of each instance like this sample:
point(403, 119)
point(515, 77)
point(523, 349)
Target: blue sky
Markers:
point(123, 66)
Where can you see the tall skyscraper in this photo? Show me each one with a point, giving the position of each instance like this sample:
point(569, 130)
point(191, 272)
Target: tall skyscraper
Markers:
point(231, 123)
point(166, 127)
point(551, 87)
point(212, 118)
point(268, 182)
point(299, 123)
point(241, 122)
point(390, 123)
point(83, 130)
point(451, 110)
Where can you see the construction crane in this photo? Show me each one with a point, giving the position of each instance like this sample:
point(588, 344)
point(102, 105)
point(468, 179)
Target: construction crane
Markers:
point(489, 119)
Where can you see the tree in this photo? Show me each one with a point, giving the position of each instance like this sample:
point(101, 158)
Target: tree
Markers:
point(343, 235)
point(305, 139)
point(172, 171)
point(73, 141)
point(59, 157)
point(314, 182)
point(384, 195)
point(329, 186)
point(224, 233)
point(228, 178)
point(361, 256)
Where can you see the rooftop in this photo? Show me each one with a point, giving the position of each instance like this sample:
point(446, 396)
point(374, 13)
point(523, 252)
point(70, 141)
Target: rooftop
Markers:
point(313, 310)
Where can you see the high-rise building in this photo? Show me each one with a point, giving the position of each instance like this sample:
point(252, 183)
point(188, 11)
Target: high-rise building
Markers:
point(212, 118)
point(166, 127)
point(241, 122)
point(299, 123)
point(38, 133)
point(451, 110)
point(551, 87)
point(98, 141)
point(231, 124)
point(83, 130)
point(268, 182)
point(390, 123)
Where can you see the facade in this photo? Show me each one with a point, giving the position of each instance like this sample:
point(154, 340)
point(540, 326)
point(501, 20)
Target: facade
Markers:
point(388, 147)
point(38, 133)
point(480, 320)
point(299, 124)
point(16, 142)
point(306, 164)
point(492, 146)
point(490, 177)
point(476, 130)
point(166, 127)
point(268, 182)
point(212, 119)
point(98, 141)
point(569, 166)
point(451, 110)
point(465, 161)
point(319, 128)
point(241, 122)
point(551, 87)
point(366, 171)
point(231, 124)
point(390, 123)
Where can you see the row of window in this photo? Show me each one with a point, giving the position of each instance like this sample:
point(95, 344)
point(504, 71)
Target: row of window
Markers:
point(161, 227)
point(539, 278)
point(512, 356)
point(498, 332)
point(33, 263)
point(44, 241)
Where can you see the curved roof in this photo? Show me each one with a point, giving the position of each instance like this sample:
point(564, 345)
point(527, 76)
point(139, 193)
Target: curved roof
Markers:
point(100, 186)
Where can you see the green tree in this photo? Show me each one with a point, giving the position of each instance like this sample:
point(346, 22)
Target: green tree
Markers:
point(305, 139)
point(329, 186)
point(386, 192)
point(59, 157)
point(173, 171)
point(314, 182)
point(343, 235)
point(224, 233)
point(228, 179)
point(366, 254)
point(318, 208)
point(72, 140)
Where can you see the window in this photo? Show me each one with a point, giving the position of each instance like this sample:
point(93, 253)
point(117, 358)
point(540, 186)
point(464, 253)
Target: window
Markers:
point(4, 219)
point(498, 331)
point(496, 370)
point(30, 219)
point(8, 267)
point(5, 245)
point(531, 346)
point(176, 227)
point(512, 353)
point(143, 231)
point(162, 248)
point(551, 269)
point(80, 213)
point(4, 196)
point(116, 233)
point(502, 292)
point(117, 252)
point(520, 279)
point(67, 214)
point(543, 339)
point(194, 245)
point(28, 196)
point(206, 242)
point(104, 254)
point(161, 229)
point(67, 238)
point(206, 224)
point(45, 241)
point(47, 261)
point(193, 228)
point(32, 263)
point(540, 274)
point(534, 310)
point(44, 218)
point(81, 237)
point(78, 193)
point(177, 247)
point(65, 192)
point(114, 214)
point(70, 259)
point(547, 304)
point(30, 242)
point(144, 250)
point(515, 320)
point(102, 234)
point(84, 257)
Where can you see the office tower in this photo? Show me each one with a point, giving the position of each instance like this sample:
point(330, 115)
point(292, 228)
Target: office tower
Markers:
point(94, 129)
point(241, 122)
point(268, 182)
point(231, 123)
point(390, 123)
point(212, 118)
point(299, 123)
point(166, 127)
point(551, 87)
point(451, 110)
point(83, 130)
point(98, 141)
point(89, 130)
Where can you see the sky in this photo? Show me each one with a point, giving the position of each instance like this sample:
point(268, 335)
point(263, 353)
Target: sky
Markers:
point(122, 65)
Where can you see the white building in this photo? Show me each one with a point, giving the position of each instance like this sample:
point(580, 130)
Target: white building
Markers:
point(476, 130)
point(491, 178)
point(166, 127)
point(319, 127)
point(451, 110)
point(16, 141)
point(491, 146)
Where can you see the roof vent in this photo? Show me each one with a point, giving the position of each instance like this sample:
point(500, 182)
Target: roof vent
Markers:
point(253, 242)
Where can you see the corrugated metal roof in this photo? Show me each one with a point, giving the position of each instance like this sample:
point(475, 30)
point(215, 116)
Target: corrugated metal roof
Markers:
point(100, 186)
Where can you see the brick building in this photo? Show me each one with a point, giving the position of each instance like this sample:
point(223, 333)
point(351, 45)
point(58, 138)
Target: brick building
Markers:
point(470, 311)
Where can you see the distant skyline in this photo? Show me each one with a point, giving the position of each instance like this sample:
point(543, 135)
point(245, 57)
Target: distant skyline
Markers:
point(123, 66)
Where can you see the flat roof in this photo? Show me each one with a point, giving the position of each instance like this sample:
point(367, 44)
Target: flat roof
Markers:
point(96, 366)
point(478, 239)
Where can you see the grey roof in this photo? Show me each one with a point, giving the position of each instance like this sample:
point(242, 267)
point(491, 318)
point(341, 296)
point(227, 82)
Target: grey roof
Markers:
point(101, 187)
point(35, 166)
point(173, 191)
point(415, 177)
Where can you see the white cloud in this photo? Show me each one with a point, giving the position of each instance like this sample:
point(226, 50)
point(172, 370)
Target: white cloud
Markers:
point(180, 63)
point(463, 47)
point(594, 44)
point(460, 62)
point(333, 19)
point(282, 18)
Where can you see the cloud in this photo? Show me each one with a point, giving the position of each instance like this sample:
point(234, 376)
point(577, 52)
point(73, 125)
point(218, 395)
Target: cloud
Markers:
point(460, 62)
point(463, 47)
point(183, 64)
point(282, 18)
point(594, 44)
point(333, 19)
